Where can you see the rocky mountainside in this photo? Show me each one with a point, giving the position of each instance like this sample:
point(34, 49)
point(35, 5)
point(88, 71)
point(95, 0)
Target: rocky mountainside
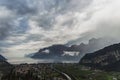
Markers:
point(2, 58)
point(57, 52)
point(5, 67)
point(93, 45)
point(65, 52)
point(106, 59)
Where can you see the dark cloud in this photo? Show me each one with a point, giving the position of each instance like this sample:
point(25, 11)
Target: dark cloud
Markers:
point(57, 5)
point(54, 8)
point(69, 23)
point(19, 6)
point(49, 9)
point(45, 21)
point(6, 25)
point(34, 37)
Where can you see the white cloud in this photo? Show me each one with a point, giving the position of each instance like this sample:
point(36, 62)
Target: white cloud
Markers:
point(57, 22)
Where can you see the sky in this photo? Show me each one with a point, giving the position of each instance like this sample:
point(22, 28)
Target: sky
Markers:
point(28, 25)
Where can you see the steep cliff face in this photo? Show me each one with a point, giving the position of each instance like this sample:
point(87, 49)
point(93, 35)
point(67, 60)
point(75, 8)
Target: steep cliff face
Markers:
point(103, 59)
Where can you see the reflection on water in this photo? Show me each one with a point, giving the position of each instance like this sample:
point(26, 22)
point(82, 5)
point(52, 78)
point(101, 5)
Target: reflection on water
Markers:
point(19, 60)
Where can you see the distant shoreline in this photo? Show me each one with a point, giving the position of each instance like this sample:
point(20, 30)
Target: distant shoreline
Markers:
point(21, 60)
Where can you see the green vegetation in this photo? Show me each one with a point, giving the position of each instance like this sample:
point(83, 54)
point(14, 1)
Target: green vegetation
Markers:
point(78, 73)
point(53, 72)
point(32, 72)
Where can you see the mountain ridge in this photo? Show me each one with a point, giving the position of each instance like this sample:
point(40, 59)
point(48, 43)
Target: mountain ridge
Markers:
point(103, 58)
point(58, 49)
point(2, 58)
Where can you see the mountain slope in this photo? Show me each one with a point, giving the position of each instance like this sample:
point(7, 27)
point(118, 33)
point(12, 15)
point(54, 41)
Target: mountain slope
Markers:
point(5, 67)
point(58, 51)
point(95, 44)
point(107, 58)
point(2, 58)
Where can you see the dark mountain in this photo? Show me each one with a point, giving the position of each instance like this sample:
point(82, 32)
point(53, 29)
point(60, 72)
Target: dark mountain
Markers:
point(93, 45)
point(58, 51)
point(106, 59)
point(104, 41)
point(5, 67)
point(2, 58)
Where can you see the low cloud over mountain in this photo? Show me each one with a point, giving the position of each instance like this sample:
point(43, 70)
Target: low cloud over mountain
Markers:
point(27, 25)
point(61, 52)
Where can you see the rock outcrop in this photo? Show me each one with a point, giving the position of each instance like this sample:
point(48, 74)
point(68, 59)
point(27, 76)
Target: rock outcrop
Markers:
point(106, 59)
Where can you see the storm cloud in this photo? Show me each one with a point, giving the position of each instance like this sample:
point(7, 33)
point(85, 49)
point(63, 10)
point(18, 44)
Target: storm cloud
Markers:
point(6, 22)
point(28, 25)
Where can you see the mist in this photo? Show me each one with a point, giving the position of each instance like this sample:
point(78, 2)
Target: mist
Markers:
point(27, 25)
